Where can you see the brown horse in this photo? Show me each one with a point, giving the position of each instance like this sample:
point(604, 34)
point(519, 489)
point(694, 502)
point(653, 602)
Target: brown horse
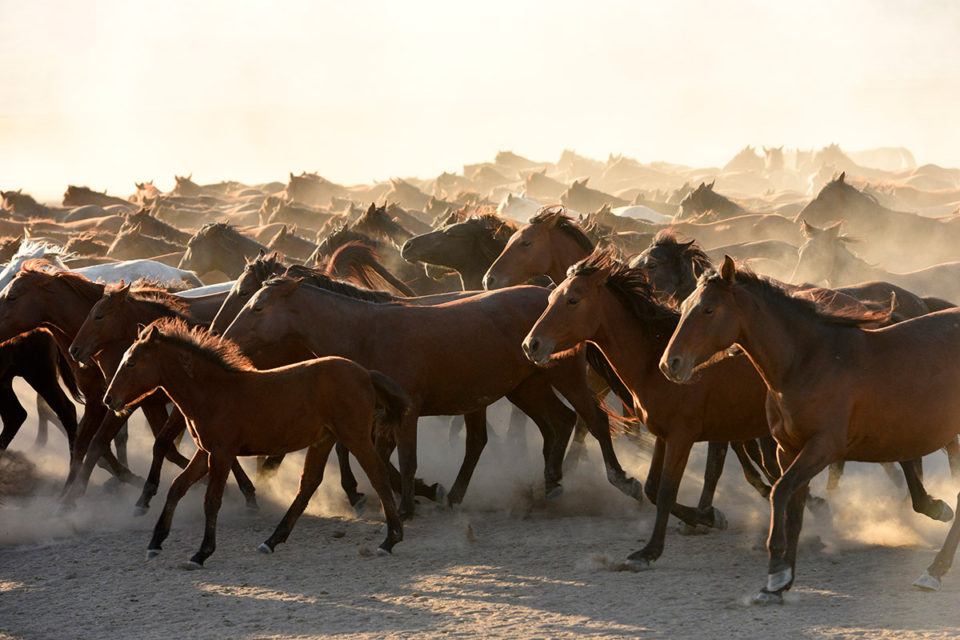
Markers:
point(219, 247)
point(826, 258)
point(837, 391)
point(704, 199)
point(453, 358)
point(133, 244)
point(605, 302)
point(81, 196)
point(287, 242)
point(235, 410)
point(547, 245)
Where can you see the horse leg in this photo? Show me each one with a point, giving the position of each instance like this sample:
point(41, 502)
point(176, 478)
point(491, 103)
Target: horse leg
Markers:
point(456, 426)
point(120, 444)
point(99, 447)
point(750, 472)
point(675, 457)
point(13, 415)
point(598, 423)
point(476, 426)
point(267, 466)
point(348, 481)
point(930, 581)
point(373, 466)
point(407, 455)
point(895, 477)
point(516, 431)
point(93, 414)
point(833, 479)
point(57, 401)
point(922, 502)
point(219, 464)
point(311, 477)
point(786, 515)
point(44, 417)
point(155, 410)
point(652, 485)
point(385, 444)
point(706, 512)
point(555, 423)
point(578, 447)
point(173, 427)
point(196, 469)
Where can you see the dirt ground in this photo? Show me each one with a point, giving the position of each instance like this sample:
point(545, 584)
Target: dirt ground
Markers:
point(507, 564)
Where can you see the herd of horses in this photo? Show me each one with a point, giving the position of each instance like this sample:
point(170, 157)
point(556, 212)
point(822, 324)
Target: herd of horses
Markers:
point(267, 319)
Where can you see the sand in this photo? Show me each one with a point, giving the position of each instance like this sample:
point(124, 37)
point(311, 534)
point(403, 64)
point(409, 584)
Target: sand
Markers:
point(507, 564)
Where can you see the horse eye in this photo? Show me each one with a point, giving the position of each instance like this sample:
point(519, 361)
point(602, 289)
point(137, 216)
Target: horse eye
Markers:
point(98, 317)
point(707, 311)
point(573, 301)
point(131, 363)
point(525, 243)
point(257, 309)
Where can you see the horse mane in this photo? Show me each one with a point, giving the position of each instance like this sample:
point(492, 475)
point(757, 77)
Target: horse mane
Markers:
point(840, 187)
point(565, 223)
point(198, 341)
point(360, 262)
point(266, 265)
point(228, 233)
point(321, 280)
point(811, 306)
point(631, 287)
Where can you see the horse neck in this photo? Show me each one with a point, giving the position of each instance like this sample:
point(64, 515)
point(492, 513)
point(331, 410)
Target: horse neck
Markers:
point(330, 315)
point(564, 252)
point(65, 320)
point(632, 348)
point(188, 380)
point(772, 337)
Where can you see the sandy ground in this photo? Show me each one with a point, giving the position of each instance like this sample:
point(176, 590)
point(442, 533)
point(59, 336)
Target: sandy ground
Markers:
point(506, 564)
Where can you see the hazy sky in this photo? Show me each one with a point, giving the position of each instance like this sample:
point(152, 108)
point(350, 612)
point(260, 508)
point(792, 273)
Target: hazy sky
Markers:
point(105, 93)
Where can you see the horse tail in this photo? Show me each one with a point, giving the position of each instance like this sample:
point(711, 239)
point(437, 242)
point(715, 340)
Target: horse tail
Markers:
point(937, 304)
point(394, 402)
point(360, 261)
point(598, 362)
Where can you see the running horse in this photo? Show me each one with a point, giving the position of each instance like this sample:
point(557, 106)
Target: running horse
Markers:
point(234, 410)
point(836, 391)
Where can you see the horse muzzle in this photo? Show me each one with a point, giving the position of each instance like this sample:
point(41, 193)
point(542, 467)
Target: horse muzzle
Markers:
point(538, 350)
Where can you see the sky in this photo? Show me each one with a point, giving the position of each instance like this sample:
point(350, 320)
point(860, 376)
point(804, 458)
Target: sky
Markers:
point(111, 92)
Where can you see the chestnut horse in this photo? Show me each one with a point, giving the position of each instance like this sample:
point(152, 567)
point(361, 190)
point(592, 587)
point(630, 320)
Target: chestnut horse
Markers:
point(235, 410)
point(453, 358)
point(837, 391)
point(610, 304)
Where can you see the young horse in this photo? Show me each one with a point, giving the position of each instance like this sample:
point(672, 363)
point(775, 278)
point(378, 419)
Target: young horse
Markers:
point(453, 358)
point(605, 302)
point(467, 247)
point(235, 410)
point(836, 391)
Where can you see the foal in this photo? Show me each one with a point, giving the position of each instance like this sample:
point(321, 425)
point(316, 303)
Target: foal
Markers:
point(233, 409)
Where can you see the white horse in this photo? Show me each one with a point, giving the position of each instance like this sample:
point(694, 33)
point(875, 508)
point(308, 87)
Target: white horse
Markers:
point(128, 270)
point(519, 208)
point(220, 287)
point(640, 212)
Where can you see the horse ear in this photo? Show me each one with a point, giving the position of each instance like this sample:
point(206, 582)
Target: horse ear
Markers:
point(687, 245)
point(807, 229)
point(282, 232)
point(710, 186)
point(262, 253)
point(728, 270)
point(372, 208)
point(841, 177)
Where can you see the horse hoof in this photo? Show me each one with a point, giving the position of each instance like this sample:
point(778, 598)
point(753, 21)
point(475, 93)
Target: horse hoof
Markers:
point(264, 548)
point(383, 552)
point(139, 511)
point(360, 505)
point(945, 514)
point(252, 505)
point(441, 495)
point(192, 565)
point(719, 520)
point(152, 553)
point(555, 493)
point(927, 582)
point(64, 508)
point(112, 485)
point(638, 564)
point(768, 597)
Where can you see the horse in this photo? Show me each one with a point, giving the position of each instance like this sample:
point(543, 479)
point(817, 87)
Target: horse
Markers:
point(888, 233)
point(34, 357)
point(235, 410)
point(359, 262)
point(109, 329)
point(580, 197)
point(156, 228)
point(291, 245)
point(133, 244)
point(704, 199)
point(747, 159)
point(218, 246)
point(453, 358)
point(81, 196)
point(836, 391)
point(547, 245)
point(517, 207)
point(539, 186)
point(608, 303)
point(84, 245)
point(312, 189)
point(22, 205)
point(467, 247)
point(825, 257)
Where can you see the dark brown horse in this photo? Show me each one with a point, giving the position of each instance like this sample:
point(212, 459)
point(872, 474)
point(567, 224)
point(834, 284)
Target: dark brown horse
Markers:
point(836, 391)
point(235, 410)
point(451, 358)
point(467, 247)
point(219, 247)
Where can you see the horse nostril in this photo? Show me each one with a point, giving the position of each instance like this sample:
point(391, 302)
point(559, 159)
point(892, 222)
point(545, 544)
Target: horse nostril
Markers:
point(107, 400)
point(489, 281)
point(533, 345)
